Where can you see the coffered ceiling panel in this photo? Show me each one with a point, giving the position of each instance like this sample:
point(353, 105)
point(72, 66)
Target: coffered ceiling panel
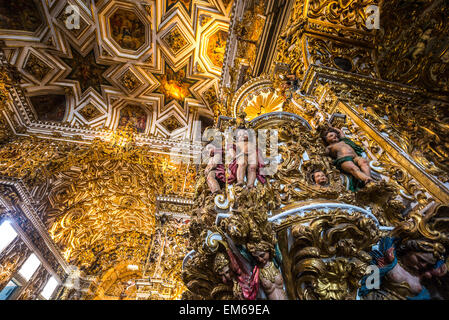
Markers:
point(147, 63)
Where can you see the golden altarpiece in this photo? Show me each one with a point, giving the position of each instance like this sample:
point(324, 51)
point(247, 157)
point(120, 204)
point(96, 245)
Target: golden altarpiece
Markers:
point(356, 125)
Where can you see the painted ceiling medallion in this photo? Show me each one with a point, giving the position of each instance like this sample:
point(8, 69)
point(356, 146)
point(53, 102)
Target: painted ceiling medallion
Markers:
point(20, 15)
point(87, 71)
point(127, 29)
point(216, 47)
point(130, 82)
point(36, 67)
point(90, 112)
point(133, 116)
point(175, 85)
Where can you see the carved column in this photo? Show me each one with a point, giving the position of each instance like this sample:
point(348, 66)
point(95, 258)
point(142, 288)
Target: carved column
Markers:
point(11, 259)
point(35, 285)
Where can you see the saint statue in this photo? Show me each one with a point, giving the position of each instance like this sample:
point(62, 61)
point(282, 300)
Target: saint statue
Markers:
point(231, 269)
point(268, 265)
point(215, 170)
point(404, 266)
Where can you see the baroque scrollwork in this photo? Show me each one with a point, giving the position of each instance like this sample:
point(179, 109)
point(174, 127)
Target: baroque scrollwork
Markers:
point(238, 232)
point(94, 228)
point(313, 234)
point(329, 254)
point(417, 55)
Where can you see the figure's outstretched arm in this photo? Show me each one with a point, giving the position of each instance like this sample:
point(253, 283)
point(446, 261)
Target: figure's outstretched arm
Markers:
point(340, 132)
point(384, 258)
point(386, 254)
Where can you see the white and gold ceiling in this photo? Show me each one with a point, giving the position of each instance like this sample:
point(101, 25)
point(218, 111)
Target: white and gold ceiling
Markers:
point(145, 63)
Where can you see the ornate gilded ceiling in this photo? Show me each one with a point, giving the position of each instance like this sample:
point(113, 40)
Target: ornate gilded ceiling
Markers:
point(144, 63)
point(141, 65)
point(100, 207)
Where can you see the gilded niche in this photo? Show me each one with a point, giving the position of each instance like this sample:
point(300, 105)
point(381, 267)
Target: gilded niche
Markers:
point(264, 102)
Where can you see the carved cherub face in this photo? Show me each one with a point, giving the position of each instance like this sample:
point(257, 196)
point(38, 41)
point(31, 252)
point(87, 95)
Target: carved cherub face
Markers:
point(262, 257)
point(320, 178)
point(226, 274)
point(332, 137)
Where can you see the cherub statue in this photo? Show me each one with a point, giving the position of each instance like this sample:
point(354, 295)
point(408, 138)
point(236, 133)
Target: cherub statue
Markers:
point(348, 156)
point(247, 160)
point(271, 279)
point(215, 169)
point(403, 267)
